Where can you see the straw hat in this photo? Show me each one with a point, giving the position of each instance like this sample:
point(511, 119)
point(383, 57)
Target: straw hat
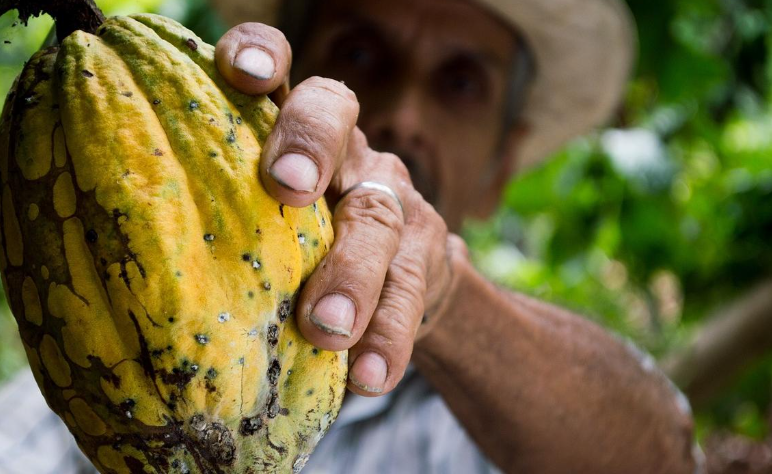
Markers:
point(584, 50)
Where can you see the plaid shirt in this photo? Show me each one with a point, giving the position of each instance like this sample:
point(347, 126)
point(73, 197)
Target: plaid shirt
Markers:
point(407, 431)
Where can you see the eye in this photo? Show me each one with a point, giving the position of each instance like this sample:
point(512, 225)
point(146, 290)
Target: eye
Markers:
point(356, 52)
point(462, 81)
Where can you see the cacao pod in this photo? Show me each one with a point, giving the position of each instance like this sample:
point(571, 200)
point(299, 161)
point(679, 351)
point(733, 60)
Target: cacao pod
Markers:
point(152, 277)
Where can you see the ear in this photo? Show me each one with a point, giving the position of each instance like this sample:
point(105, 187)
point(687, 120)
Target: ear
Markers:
point(502, 169)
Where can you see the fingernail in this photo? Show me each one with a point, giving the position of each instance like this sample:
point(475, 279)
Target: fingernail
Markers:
point(256, 63)
point(369, 372)
point(334, 314)
point(296, 172)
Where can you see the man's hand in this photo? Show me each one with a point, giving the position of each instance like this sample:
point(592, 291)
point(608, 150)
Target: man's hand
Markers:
point(389, 265)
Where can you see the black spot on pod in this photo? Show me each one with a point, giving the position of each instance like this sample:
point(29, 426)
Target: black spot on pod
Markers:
point(250, 426)
point(191, 43)
point(213, 154)
point(193, 105)
point(238, 120)
point(213, 441)
point(281, 209)
point(273, 406)
point(202, 338)
point(156, 101)
point(273, 334)
point(87, 73)
point(127, 94)
point(310, 392)
point(274, 371)
point(158, 152)
point(315, 351)
point(246, 257)
point(171, 320)
point(284, 411)
point(267, 285)
point(231, 137)
point(211, 373)
point(127, 406)
point(284, 310)
point(134, 464)
point(209, 237)
point(91, 236)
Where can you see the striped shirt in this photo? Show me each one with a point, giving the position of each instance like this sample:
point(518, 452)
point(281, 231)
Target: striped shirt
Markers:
point(409, 430)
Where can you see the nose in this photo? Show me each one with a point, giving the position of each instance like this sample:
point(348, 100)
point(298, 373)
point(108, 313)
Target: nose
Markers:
point(400, 123)
point(397, 122)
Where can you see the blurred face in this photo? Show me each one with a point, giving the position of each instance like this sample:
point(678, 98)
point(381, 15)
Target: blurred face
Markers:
point(431, 77)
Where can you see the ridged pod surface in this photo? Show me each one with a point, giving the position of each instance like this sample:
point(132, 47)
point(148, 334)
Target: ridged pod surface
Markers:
point(152, 277)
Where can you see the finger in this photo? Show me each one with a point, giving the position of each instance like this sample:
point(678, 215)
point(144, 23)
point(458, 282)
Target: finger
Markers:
point(341, 295)
point(308, 141)
point(254, 58)
point(382, 354)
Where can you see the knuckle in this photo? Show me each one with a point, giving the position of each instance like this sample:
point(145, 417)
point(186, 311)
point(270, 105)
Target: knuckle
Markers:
point(358, 257)
point(335, 88)
point(392, 328)
point(408, 278)
point(396, 165)
point(425, 215)
point(258, 31)
point(372, 209)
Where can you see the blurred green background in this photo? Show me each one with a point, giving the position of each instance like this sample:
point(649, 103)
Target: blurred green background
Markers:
point(652, 226)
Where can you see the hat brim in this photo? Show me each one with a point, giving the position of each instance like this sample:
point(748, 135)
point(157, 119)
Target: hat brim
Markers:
point(584, 51)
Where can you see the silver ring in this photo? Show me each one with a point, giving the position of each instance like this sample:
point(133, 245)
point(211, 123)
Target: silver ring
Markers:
point(378, 187)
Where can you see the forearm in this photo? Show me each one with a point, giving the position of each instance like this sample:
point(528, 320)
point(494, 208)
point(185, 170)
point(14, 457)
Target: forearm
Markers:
point(542, 390)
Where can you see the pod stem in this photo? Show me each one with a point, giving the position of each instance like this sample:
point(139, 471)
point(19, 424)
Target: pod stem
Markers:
point(69, 15)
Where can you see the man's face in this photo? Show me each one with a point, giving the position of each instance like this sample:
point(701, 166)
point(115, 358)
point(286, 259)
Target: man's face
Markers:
point(431, 77)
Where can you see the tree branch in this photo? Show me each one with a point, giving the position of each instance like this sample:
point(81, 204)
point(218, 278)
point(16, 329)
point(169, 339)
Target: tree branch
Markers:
point(69, 15)
point(726, 344)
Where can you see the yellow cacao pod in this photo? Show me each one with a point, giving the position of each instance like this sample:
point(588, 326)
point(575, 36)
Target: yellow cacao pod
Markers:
point(152, 277)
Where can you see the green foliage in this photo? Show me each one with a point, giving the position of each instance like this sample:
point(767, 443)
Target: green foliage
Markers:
point(650, 228)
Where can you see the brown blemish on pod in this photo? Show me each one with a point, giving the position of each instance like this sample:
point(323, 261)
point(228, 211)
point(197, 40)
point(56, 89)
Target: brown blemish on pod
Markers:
point(33, 311)
point(14, 245)
point(273, 334)
point(64, 195)
point(53, 361)
point(213, 441)
point(284, 310)
point(274, 371)
point(86, 417)
point(250, 426)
